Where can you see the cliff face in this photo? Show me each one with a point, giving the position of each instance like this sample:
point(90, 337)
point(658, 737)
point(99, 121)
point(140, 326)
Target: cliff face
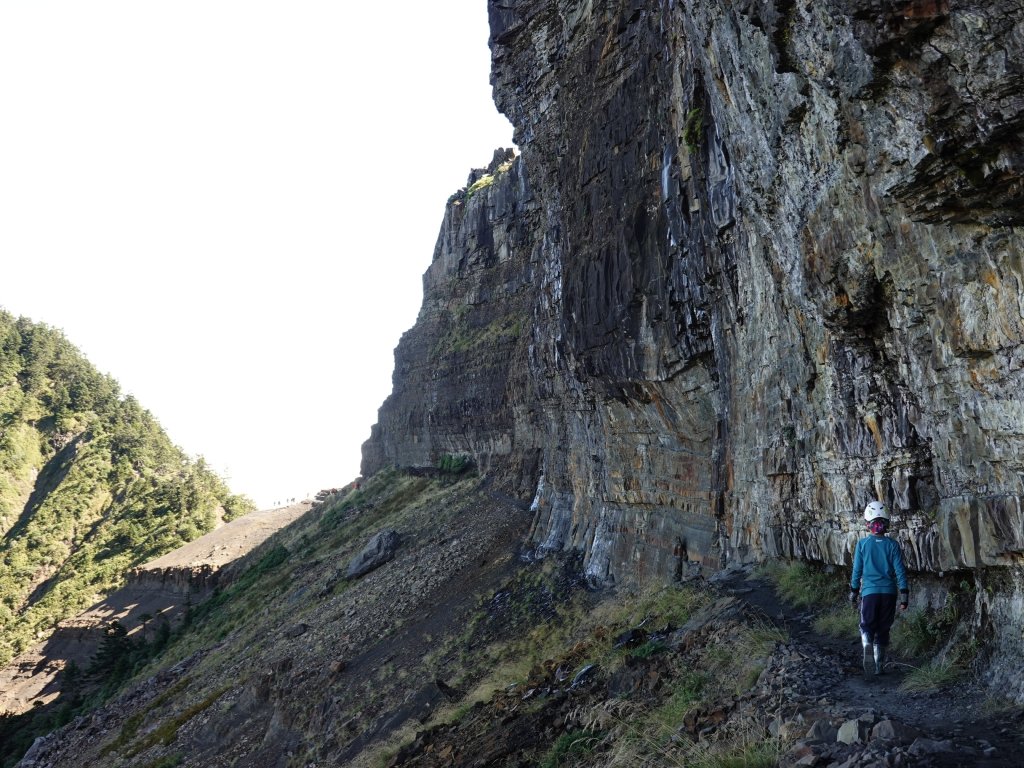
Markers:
point(768, 263)
point(463, 385)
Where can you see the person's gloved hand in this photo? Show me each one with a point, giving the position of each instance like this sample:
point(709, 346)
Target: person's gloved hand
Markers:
point(853, 598)
point(904, 599)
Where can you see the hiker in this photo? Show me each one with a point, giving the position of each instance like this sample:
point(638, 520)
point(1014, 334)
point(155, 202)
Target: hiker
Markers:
point(878, 573)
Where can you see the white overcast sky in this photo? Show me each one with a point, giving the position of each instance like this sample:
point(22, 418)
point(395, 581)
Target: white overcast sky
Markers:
point(228, 206)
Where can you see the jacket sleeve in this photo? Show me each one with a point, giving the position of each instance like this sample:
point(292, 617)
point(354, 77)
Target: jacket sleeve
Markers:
point(897, 566)
point(858, 566)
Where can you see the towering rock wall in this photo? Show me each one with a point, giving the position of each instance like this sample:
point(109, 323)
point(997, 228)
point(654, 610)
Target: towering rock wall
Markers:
point(771, 269)
point(462, 383)
point(786, 278)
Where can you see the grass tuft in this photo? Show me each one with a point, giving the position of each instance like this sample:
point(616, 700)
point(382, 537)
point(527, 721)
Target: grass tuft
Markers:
point(569, 748)
point(806, 586)
point(933, 675)
point(749, 752)
point(839, 622)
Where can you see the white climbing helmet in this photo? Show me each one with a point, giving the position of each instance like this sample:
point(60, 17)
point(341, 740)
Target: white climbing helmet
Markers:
point(875, 510)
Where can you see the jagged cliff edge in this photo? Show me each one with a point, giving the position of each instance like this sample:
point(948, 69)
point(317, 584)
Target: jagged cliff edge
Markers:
point(756, 265)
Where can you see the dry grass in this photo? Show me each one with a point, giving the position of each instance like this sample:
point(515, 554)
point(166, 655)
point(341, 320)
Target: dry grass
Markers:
point(935, 674)
point(751, 748)
point(840, 622)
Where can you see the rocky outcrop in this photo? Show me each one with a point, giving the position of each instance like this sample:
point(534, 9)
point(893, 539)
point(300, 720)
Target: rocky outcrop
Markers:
point(462, 382)
point(174, 580)
point(380, 549)
point(781, 293)
point(765, 263)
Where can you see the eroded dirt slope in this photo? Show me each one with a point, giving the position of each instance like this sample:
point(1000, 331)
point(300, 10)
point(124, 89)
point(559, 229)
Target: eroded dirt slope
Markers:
point(159, 588)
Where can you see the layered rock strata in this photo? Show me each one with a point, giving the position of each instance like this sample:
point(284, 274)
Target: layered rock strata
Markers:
point(462, 382)
point(771, 269)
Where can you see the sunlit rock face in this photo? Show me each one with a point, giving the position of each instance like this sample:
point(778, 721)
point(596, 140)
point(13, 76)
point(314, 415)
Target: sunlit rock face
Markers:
point(757, 264)
point(462, 383)
point(780, 276)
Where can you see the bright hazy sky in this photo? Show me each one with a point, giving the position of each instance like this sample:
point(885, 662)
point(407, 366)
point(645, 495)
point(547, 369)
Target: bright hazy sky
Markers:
point(228, 206)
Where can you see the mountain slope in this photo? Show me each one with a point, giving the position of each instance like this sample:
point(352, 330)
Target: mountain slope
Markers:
point(90, 486)
point(290, 658)
point(155, 594)
point(465, 649)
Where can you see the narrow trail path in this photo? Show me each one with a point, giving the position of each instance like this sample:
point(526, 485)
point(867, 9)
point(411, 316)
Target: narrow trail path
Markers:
point(965, 712)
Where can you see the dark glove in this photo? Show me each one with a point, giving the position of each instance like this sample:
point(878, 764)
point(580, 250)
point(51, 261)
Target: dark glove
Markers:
point(853, 598)
point(904, 599)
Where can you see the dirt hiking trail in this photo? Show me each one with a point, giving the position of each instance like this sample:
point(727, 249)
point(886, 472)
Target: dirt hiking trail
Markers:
point(982, 732)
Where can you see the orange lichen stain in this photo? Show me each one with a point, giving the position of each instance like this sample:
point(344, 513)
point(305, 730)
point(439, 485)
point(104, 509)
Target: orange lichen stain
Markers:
point(989, 277)
point(872, 424)
point(980, 374)
point(842, 300)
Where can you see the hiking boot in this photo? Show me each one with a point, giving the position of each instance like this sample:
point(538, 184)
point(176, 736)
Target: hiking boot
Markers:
point(868, 662)
point(879, 660)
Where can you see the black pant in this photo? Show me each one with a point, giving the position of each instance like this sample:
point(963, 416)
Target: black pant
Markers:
point(877, 613)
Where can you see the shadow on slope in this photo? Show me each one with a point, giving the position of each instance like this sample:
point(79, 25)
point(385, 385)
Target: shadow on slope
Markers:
point(289, 661)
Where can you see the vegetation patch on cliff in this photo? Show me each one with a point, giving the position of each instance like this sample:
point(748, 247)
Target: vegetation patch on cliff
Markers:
point(487, 179)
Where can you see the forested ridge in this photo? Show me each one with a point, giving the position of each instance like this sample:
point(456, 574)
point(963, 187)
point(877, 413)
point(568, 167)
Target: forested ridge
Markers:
point(90, 484)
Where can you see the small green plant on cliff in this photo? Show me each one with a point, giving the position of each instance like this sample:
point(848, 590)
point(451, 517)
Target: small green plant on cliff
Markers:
point(693, 128)
point(487, 179)
point(454, 465)
point(463, 337)
point(686, 689)
point(482, 183)
point(168, 761)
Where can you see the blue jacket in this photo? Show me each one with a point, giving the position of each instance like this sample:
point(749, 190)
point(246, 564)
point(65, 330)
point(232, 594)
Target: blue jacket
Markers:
point(878, 561)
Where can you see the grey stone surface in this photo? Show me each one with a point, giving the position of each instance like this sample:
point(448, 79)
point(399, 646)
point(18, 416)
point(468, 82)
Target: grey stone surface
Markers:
point(891, 730)
point(822, 730)
point(379, 550)
point(756, 265)
point(850, 732)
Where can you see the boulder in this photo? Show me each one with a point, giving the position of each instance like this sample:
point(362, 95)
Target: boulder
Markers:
point(892, 730)
point(379, 550)
point(851, 732)
point(822, 730)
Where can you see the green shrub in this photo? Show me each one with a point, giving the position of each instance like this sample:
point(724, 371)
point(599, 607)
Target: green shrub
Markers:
point(336, 513)
point(666, 718)
point(760, 752)
point(694, 127)
point(454, 465)
point(167, 732)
